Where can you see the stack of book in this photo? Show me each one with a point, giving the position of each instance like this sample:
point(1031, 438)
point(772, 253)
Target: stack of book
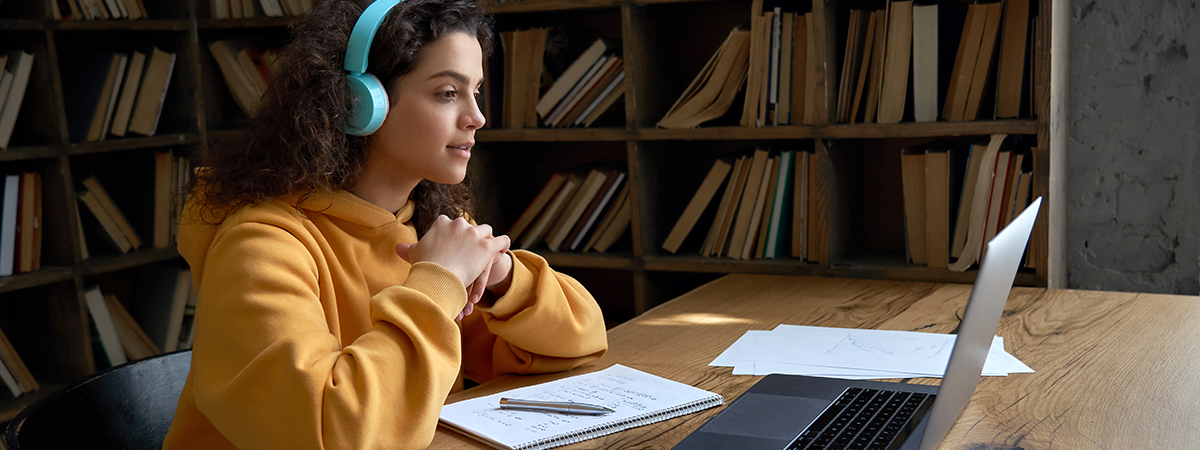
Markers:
point(112, 222)
point(587, 89)
point(762, 214)
point(160, 318)
point(115, 93)
point(17, 66)
point(915, 40)
point(782, 73)
point(116, 335)
point(958, 196)
point(248, 70)
point(171, 175)
point(21, 224)
point(13, 373)
point(100, 10)
point(247, 9)
point(576, 211)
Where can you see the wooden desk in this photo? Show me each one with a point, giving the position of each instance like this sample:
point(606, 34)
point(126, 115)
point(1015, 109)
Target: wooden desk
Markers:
point(1114, 370)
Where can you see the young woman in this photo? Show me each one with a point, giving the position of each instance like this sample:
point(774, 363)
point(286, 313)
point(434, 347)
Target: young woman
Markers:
point(343, 286)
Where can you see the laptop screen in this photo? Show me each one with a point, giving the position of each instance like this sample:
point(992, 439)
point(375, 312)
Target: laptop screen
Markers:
point(993, 283)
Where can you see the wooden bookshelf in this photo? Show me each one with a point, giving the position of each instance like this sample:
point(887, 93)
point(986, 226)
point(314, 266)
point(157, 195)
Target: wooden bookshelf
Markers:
point(665, 43)
point(43, 312)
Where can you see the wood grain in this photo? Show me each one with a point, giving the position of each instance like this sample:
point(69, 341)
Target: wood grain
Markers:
point(1102, 359)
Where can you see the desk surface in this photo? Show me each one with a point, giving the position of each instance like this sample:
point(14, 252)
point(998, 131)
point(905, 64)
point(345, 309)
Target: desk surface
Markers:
point(1114, 370)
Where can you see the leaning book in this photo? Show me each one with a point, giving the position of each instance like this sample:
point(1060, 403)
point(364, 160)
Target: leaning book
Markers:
point(638, 398)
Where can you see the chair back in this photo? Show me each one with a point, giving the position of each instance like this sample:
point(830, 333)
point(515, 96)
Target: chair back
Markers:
point(126, 407)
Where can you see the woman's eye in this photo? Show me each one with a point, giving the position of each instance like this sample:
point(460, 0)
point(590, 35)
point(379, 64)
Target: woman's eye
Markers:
point(449, 95)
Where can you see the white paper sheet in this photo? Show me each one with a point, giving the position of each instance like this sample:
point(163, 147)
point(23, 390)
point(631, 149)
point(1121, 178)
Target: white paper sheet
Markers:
point(853, 353)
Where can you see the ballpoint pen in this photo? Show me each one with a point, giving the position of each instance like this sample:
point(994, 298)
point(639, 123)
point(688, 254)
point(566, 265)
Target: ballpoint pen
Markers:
point(554, 407)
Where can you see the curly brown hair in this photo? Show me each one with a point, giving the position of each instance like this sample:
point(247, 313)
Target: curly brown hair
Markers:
point(295, 143)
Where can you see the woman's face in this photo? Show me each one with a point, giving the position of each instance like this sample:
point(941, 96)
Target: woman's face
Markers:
point(430, 129)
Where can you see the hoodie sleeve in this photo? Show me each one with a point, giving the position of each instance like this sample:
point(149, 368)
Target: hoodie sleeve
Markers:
point(546, 322)
point(269, 373)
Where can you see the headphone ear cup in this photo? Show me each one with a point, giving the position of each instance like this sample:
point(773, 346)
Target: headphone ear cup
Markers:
point(370, 104)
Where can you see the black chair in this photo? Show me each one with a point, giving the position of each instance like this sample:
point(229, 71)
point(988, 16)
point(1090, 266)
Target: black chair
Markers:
point(126, 407)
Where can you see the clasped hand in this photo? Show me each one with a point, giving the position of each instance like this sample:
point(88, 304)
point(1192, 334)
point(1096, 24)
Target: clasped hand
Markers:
point(470, 251)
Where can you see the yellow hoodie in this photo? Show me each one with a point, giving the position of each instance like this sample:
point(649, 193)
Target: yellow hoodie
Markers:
point(311, 333)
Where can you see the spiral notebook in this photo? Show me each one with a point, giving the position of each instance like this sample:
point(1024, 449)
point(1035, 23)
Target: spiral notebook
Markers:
point(638, 398)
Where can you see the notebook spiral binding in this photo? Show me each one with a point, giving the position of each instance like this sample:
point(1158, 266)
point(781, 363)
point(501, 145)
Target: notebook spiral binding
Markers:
point(631, 422)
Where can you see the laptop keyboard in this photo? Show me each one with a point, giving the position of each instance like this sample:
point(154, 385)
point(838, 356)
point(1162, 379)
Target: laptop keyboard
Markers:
point(864, 418)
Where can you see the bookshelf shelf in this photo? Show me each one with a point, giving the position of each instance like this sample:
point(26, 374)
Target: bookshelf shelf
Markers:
point(117, 144)
point(517, 7)
point(552, 135)
point(840, 131)
point(665, 44)
point(618, 261)
point(258, 22)
point(121, 25)
point(22, 24)
point(27, 153)
point(892, 267)
point(932, 129)
point(97, 265)
point(696, 263)
point(42, 277)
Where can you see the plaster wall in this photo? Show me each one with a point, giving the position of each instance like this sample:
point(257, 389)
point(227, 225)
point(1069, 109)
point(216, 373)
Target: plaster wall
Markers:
point(1133, 177)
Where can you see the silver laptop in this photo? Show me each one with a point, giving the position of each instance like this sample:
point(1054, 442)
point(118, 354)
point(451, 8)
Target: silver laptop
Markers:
point(800, 412)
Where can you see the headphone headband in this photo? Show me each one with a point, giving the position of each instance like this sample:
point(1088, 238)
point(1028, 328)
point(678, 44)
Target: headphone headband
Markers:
point(364, 33)
point(370, 105)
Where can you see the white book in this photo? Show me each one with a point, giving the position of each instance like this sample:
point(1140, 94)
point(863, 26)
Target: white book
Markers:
point(588, 85)
point(152, 93)
point(115, 9)
point(133, 79)
point(570, 77)
point(637, 398)
point(591, 220)
point(220, 9)
point(925, 62)
point(9, 380)
point(601, 98)
point(21, 64)
point(562, 104)
point(8, 224)
point(272, 8)
point(6, 80)
point(105, 326)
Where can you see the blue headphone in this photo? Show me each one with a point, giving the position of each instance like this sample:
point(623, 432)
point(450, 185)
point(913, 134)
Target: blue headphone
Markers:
point(372, 103)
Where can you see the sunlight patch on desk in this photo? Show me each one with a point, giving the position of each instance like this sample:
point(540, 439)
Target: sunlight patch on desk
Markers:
point(695, 319)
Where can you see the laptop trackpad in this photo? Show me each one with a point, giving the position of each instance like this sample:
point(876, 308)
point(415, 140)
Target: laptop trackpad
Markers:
point(767, 416)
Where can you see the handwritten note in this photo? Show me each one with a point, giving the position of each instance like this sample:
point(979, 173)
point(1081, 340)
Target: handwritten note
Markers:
point(637, 397)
